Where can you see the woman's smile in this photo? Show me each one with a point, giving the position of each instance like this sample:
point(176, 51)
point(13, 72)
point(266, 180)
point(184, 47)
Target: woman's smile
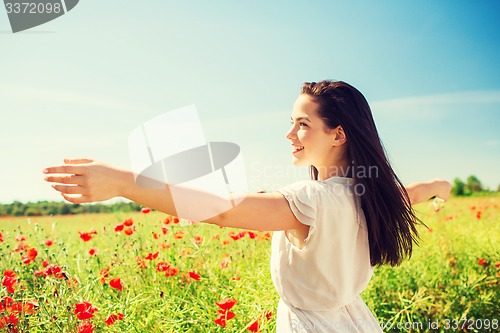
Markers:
point(297, 149)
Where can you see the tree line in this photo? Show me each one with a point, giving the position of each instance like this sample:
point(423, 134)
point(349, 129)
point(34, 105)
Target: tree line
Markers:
point(470, 186)
point(42, 208)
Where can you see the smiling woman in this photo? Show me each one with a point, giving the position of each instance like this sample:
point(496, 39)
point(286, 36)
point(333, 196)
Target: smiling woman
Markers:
point(329, 235)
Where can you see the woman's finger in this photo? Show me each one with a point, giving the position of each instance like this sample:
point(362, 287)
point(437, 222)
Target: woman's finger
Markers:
point(71, 179)
point(68, 189)
point(76, 200)
point(78, 160)
point(67, 169)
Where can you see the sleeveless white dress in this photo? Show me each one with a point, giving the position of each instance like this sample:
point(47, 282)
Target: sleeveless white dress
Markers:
point(320, 284)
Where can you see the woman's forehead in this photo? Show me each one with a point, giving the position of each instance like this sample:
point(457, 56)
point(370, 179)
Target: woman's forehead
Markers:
point(304, 107)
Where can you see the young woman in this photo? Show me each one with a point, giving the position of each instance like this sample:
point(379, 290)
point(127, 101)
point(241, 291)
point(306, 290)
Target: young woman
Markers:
point(330, 231)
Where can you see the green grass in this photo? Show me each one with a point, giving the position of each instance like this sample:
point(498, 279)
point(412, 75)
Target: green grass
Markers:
point(442, 284)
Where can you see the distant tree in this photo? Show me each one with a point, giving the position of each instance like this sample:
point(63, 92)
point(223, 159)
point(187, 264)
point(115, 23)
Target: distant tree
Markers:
point(458, 187)
point(474, 184)
point(498, 188)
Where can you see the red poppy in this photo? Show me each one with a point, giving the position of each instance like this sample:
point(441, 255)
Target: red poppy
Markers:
point(254, 326)
point(164, 229)
point(54, 270)
point(266, 236)
point(198, 239)
point(92, 251)
point(9, 280)
point(162, 266)
point(30, 306)
point(10, 320)
point(152, 256)
point(114, 317)
point(226, 303)
point(251, 234)
point(48, 242)
point(194, 276)
point(156, 236)
point(179, 234)
point(84, 310)
point(140, 262)
point(145, 210)
point(30, 255)
point(235, 235)
point(1, 237)
point(129, 231)
point(104, 273)
point(478, 215)
point(128, 222)
point(482, 262)
point(85, 236)
point(165, 246)
point(20, 238)
point(171, 271)
point(223, 316)
point(116, 283)
point(220, 320)
point(268, 314)
point(119, 227)
point(85, 327)
point(225, 263)
point(167, 220)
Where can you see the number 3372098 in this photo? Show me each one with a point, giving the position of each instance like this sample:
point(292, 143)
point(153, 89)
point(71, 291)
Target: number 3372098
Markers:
point(469, 324)
point(33, 8)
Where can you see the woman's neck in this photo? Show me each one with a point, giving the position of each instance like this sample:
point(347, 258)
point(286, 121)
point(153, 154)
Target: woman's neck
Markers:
point(339, 169)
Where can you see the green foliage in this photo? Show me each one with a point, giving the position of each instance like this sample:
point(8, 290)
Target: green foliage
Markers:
point(458, 187)
point(453, 275)
point(472, 186)
point(43, 208)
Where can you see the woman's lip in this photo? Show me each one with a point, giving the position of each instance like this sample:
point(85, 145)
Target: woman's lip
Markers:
point(297, 150)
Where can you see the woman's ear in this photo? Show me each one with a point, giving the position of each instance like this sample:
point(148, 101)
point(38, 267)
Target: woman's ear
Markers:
point(339, 137)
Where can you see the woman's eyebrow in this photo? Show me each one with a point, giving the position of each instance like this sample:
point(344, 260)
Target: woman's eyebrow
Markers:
point(301, 118)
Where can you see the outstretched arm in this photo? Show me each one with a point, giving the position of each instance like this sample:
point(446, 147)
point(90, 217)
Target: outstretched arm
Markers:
point(86, 180)
point(423, 191)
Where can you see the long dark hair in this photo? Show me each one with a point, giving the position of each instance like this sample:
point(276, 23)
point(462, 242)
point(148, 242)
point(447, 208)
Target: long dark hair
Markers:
point(390, 219)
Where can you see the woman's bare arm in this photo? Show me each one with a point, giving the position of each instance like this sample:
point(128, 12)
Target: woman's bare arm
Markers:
point(423, 191)
point(85, 180)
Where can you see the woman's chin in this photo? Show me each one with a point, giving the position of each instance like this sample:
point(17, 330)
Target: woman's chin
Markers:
point(299, 162)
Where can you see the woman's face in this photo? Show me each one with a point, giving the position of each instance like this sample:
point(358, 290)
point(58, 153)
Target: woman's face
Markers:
point(311, 139)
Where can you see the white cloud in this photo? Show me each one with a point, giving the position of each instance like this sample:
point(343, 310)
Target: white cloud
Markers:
point(58, 96)
point(492, 143)
point(434, 107)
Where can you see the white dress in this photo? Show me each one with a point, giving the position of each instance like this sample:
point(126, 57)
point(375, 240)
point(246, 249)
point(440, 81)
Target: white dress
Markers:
point(320, 284)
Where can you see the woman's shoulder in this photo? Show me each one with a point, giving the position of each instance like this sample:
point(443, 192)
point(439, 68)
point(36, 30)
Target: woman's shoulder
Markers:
point(319, 185)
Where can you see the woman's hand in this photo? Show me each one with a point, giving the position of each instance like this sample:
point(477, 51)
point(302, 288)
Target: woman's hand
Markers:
point(442, 188)
point(85, 180)
point(423, 191)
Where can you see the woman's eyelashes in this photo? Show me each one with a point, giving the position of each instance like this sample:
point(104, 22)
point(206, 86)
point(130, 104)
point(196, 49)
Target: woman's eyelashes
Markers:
point(301, 124)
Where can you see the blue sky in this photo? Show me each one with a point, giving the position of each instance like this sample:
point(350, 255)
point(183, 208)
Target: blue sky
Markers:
point(78, 85)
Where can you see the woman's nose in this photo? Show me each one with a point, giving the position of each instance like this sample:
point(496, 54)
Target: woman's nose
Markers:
point(292, 132)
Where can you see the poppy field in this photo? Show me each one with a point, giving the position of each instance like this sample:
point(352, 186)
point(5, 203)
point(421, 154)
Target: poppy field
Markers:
point(148, 272)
